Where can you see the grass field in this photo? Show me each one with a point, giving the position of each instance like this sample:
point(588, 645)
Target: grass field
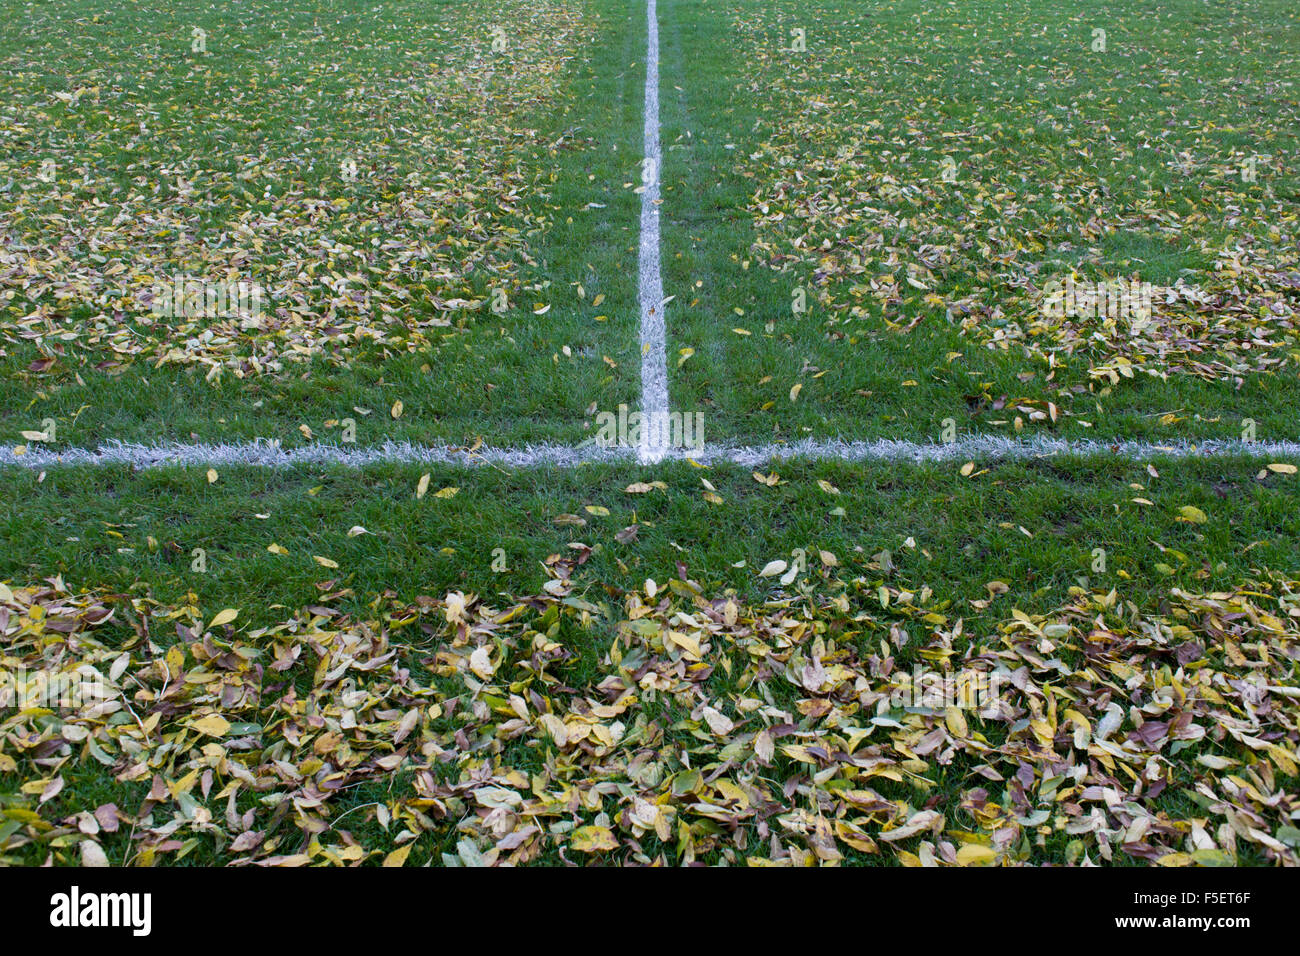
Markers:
point(816, 178)
point(683, 662)
point(476, 173)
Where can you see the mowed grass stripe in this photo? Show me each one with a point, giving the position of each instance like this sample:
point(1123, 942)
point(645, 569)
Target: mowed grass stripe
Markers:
point(1033, 524)
point(572, 152)
point(822, 171)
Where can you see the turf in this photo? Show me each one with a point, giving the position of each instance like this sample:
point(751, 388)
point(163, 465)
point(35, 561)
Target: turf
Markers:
point(1034, 525)
point(479, 172)
point(670, 663)
point(814, 177)
point(1053, 566)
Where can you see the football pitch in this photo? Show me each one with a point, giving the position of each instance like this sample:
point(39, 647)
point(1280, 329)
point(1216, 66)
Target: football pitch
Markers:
point(477, 432)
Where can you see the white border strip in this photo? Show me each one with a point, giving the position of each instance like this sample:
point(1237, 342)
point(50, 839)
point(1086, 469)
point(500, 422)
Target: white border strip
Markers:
point(654, 350)
point(270, 454)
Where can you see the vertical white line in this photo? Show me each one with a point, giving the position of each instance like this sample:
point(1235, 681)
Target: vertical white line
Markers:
point(653, 443)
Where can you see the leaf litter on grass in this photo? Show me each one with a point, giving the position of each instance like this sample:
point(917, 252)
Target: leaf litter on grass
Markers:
point(657, 726)
point(380, 218)
point(1066, 165)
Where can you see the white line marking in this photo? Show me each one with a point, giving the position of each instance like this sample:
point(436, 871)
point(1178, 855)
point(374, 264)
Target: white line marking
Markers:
point(654, 443)
point(269, 454)
point(654, 350)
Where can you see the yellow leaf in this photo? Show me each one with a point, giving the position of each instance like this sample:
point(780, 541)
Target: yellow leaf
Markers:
point(718, 722)
point(396, 410)
point(598, 510)
point(398, 856)
point(1193, 514)
point(446, 493)
point(212, 475)
point(224, 617)
point(794, 392)
point(593, 839)
point(956, 722)
point(974, 854)
point(423, 486)
point(1208, 857)
point(1274, 466)
point(324, 562)
point(214, 725)
point(686, 642)
point(277, 549)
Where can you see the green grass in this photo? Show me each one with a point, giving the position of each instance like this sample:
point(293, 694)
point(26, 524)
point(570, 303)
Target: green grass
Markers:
point(1111, 164)
point(517, 169)
point(1034, 526)
point(94, 525)
point(1116, 164)
point(524, 172)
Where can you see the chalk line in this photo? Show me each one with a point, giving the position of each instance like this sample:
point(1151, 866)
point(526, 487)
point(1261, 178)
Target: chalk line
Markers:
point(271, 454)
point(653, 444)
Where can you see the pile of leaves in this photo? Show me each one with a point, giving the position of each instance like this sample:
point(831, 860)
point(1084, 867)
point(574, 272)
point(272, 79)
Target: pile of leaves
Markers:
point(384, 213)
point(1064, 164)
point(656, 726)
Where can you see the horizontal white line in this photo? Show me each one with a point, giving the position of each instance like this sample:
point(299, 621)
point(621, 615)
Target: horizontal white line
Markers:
point(269, 453)
point(996, 448)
